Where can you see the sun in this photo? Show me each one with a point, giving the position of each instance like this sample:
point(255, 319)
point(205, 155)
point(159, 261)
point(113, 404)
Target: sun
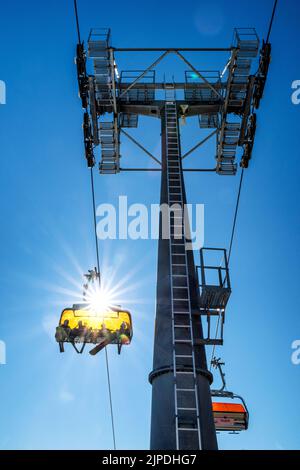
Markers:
point(99, 299)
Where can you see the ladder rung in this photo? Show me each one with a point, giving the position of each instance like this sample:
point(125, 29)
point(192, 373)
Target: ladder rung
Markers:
point(181, 313)
point(187, 409)
point(185, 389)
point(187, 429)
point(184, 373)
point(183, 355)
point(182, 341)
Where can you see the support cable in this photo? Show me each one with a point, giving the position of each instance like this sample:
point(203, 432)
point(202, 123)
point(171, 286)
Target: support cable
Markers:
point(98, 262)
point(272, 20)
point(229, 251)
point(99, 278)
point(77, 21)
point(95, 225)
point(235, 215)
point(242, 173)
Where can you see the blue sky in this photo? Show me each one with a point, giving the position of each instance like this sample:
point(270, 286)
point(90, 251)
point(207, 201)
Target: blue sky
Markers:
point(53, 401)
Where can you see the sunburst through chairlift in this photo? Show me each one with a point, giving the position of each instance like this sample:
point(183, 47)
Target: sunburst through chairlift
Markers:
point(88, 322)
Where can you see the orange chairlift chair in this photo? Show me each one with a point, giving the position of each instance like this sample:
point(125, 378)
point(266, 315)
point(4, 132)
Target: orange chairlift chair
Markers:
point(233, 416)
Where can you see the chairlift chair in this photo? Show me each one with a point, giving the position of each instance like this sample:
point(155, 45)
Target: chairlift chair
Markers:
point(233, 416)
point(81, 325)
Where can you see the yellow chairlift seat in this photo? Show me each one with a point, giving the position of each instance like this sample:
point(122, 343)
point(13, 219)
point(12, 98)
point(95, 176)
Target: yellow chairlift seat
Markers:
point(80, 324)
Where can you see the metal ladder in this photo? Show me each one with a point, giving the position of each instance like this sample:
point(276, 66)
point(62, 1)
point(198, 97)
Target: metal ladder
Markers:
point(185, 381)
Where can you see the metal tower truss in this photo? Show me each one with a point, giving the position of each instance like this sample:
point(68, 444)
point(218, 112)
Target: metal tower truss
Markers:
point(99, 52)
point(103, 104)
point(224, 102)
point(236, 109)
point(195, 92)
